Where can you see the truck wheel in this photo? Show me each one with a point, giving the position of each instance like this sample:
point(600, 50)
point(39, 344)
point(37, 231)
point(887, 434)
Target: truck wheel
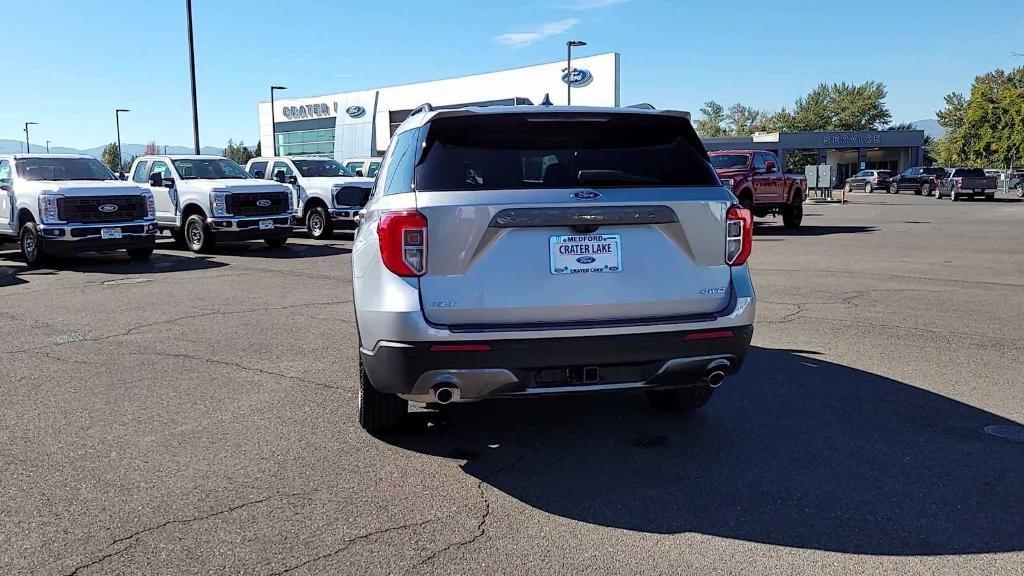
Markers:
point(1020, 190)
point(747, 200)
point(679, 399)
point(924, 191)
point(869, 188)
point(318, 223)
point(848, 189)
point(197, 237)
point(139, 254)
point(990, 197)
point(894, 189)
point(793, 213)
point(938, 193)
point(276, 242)
point(952, 195)
point(31, 247)
point(379, 413)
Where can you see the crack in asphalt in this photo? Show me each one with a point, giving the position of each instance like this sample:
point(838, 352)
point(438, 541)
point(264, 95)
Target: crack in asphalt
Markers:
point(134, 329)
point(481, 527)
point(237, 365)
point(348, 543)
point(131, 538)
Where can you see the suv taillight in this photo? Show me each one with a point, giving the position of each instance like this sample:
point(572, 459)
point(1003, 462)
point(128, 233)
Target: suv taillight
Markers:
point(403, 242)
point(739, 235)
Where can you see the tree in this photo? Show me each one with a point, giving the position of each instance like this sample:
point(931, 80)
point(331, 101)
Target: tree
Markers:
point(743, 120)
point(238, 152)
point(112, 157)
point(987, 128)
point(710, 124)
point(839, 107)
point(151, 149)
point(259, 151)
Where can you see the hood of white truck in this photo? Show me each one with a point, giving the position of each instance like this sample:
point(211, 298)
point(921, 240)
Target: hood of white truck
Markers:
point(230, 184)
point(80, 187)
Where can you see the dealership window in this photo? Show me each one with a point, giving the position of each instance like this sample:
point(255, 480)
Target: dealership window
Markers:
point(306, 142)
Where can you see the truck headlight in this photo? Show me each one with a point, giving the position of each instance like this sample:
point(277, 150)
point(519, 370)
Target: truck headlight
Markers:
point(150, 205)
point(219, 202)
point(48, 208)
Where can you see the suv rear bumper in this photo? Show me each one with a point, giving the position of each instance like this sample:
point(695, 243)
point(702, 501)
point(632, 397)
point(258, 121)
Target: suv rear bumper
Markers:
point(521, 367)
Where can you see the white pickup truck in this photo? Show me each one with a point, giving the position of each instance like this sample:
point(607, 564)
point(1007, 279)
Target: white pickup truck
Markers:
point(205, 199)
point(64, 204)
point(326, 194)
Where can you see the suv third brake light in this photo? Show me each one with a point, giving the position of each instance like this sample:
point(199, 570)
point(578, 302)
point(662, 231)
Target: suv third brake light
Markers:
point(403, 242)
point(739, 235)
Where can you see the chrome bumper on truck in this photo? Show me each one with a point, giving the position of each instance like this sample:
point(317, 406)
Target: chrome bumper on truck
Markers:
point(232, 228)
point(68, 238)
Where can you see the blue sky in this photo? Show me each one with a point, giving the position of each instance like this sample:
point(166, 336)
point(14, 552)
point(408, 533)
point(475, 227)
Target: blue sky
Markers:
point(71, 62)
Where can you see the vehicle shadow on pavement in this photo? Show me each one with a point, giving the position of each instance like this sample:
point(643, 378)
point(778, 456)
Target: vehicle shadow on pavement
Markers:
point(810, 230)
point(287, 252)
point(794, 452)
point(116, 263)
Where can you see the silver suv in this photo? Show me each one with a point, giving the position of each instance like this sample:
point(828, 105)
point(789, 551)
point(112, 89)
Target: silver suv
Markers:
point(531, 250)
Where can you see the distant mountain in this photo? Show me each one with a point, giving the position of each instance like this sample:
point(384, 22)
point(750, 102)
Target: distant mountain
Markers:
point(16, 147)
point(931, 128)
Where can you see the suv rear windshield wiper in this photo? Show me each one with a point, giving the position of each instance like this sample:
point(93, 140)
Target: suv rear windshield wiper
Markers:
point(594, 176)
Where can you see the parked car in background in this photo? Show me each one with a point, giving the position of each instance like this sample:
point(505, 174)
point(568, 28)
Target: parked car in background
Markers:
point(366, 166)
point(919, 179)
point(869, 181)
point(961, 183)
point(205, 199)
point(541, 254)
point(64, 204)
point(325, 193)
point(1014, 182)
point(757, 180)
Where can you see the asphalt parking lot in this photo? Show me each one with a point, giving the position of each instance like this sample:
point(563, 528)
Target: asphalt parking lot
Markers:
point(196, 415)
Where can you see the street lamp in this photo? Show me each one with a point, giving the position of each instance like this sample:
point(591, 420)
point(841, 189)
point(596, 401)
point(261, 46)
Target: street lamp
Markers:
point(117, 122)
point(192, 72)
point(28, 150)
point(568, 67)
point(47, 146)
point(273, 120)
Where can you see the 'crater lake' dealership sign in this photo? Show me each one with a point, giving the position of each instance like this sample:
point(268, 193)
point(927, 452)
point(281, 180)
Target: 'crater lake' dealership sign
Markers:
point(308, 111)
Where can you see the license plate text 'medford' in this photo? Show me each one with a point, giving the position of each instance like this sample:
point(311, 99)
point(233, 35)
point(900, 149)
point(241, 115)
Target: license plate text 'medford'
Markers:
point(586, 253)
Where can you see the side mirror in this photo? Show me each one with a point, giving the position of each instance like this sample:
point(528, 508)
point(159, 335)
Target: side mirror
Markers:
point(6, 186)
point(279, 176)
point(359, 173)
point(352, 196)
point(156, 180)
point(770, 166)
point(293, 180)
point(121, 175)
point(259, 174)
point(359, 217)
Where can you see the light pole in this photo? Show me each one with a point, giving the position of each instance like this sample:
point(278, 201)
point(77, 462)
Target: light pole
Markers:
point(192, 72)
point(273, 120)
point(117, 122)
point(568, 67)
point(28, 150)
point(47, 146)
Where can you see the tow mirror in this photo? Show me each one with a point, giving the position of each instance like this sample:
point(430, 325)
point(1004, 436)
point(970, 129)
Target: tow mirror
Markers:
point(353, 196)
point(279, 177)
point(259, 174)
point(770, 166)
point(293, 180)
point(156, 180)
point(359, 173)
point(121, 175)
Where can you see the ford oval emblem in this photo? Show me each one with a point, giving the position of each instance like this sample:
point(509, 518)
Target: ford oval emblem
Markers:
point(355, 111)
point(586, 259)
point(108, 208)
point(586, 195)
point(577, 78)
point(263, 203)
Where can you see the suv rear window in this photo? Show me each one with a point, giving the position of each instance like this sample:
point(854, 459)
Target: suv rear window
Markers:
point(562, 150)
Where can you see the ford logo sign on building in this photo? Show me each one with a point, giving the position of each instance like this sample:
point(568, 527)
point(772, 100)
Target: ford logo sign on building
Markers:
point(263, 203)
point(355, 111)
point(577, 78)
point(108, 208)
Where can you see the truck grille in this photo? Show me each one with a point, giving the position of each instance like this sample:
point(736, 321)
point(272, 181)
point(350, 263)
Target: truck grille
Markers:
point(101, 208)
point(248, 203)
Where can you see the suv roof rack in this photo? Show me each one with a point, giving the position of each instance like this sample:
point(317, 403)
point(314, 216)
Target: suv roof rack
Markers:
point(643, 106)
point(425, 107)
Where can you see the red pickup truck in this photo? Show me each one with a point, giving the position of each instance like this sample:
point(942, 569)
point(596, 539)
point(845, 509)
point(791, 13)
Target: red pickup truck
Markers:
point(757, 180)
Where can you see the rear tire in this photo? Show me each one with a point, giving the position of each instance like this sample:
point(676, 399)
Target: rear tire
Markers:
point(746, 199)
point(139, 254)
point(848, 189)
point(276, 242)
point(379, 413)
point(793, 213)
point(32, 247)
point(679, 399)
point(318, 223)
point(869, 188)
point(198, 238)
point(1020, 190)
point(894, 189)
point(924, 191)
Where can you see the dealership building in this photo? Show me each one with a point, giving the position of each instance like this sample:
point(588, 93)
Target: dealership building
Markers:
point(360, 123)
point(849, 152)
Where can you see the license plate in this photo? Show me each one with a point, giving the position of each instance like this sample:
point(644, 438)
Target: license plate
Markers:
point(110, 233)
point(266, 224)
point(586, 254)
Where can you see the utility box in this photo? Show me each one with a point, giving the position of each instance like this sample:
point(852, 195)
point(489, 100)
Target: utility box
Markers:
point(820, 176)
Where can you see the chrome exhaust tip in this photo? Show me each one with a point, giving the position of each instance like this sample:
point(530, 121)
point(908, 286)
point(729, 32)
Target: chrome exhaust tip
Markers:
point(445, 394)
point(715, 378)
